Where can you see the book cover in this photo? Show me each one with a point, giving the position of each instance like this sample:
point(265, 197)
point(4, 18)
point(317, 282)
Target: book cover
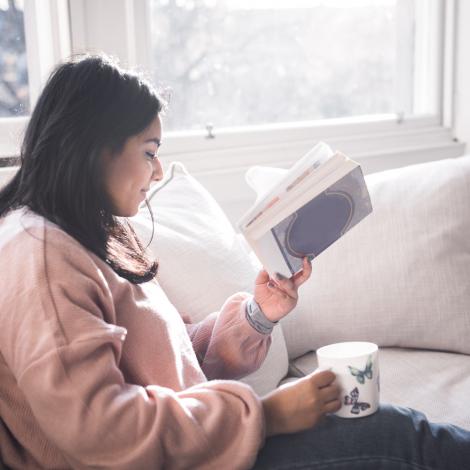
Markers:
point(316, 225)
point(302, 211)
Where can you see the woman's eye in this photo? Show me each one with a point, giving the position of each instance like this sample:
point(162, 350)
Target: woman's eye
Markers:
point(151, 155)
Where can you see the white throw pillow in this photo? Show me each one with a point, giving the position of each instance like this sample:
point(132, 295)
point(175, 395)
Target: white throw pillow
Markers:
point(202, 260)
point(401, 277)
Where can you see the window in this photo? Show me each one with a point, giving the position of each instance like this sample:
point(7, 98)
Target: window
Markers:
point(249, 62)
point(268, 78)
point(14, 91)
point(34, 36)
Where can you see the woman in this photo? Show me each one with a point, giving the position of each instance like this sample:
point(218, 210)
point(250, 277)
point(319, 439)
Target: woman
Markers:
point(97, 368)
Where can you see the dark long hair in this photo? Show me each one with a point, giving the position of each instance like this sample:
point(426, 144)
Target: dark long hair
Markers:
point(88, 104)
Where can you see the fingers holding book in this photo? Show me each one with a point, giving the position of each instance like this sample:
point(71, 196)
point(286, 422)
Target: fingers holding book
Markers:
point(302, 276)
point(278, 295)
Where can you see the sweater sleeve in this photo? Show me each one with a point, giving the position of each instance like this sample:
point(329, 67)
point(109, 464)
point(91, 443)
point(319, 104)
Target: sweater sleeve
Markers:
point(226, 345)
point(65, 359)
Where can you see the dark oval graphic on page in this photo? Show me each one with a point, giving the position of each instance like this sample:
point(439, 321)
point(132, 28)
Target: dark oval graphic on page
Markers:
point(319, 223)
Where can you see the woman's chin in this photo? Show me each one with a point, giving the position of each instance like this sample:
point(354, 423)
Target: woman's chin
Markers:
point(131, 208)
point(127, 212)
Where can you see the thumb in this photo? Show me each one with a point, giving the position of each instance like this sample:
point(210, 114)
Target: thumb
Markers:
point(262, 277)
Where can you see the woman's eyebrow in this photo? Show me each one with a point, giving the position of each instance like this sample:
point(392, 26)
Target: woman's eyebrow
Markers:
point(154, 140)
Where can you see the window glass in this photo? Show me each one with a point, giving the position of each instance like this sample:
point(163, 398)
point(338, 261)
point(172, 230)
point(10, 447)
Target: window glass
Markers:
point(14, 93)
point(245, 62)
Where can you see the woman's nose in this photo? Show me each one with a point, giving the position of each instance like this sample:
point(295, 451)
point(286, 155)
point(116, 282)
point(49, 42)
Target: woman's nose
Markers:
point(157, 174)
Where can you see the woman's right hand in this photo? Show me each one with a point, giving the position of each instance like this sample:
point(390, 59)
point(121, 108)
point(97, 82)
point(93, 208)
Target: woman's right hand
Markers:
point(299, 405)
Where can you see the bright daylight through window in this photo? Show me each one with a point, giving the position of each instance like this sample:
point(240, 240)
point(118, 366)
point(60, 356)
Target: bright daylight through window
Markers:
point(14, 93)
point(248, 62)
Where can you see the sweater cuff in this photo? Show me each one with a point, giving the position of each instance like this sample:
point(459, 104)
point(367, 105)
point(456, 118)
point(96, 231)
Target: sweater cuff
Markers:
point(257, 319)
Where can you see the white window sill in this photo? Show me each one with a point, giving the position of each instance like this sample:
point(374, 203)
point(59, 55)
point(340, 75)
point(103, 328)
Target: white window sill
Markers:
point(377, 143)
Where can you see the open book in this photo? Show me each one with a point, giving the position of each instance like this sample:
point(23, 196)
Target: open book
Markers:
point(301, 211)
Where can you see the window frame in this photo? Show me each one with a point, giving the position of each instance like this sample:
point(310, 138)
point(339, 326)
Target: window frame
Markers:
point(116, 26)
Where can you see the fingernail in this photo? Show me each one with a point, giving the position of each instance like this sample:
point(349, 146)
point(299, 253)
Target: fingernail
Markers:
point(270, 284)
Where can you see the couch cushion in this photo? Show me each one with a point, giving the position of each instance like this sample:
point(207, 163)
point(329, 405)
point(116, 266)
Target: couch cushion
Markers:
point(401, 277)
point(202, 261)
point(436, 383)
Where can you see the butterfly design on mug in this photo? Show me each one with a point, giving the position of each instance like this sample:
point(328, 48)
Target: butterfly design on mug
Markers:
point(361, 375)
point(353, 399)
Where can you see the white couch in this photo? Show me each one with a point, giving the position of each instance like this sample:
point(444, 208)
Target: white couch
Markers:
point(401, 278)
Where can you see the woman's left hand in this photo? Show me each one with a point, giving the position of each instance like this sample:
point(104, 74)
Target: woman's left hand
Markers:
point(277, 298)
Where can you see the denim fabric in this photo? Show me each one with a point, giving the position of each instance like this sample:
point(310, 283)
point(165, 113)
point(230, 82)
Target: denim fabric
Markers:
point(394, 438)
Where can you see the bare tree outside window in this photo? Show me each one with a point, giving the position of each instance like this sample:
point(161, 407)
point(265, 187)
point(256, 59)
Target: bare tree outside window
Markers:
point(14, 93)
point(239, 62)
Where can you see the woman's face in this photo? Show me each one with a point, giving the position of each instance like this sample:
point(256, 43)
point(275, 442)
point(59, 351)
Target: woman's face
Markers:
point(128, 173)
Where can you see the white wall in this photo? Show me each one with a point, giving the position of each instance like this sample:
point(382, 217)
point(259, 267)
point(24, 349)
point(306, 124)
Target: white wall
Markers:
point(5, 175)
point(462, 73)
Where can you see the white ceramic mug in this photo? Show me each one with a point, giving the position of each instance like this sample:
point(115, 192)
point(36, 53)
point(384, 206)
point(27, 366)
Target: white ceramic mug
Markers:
point(356, 365)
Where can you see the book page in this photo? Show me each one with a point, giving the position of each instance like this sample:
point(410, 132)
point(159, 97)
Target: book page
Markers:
point(294, 198)
point(267, 250)
point(315, 160)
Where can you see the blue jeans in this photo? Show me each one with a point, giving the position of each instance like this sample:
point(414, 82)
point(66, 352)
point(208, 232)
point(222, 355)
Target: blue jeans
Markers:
point(393, 438)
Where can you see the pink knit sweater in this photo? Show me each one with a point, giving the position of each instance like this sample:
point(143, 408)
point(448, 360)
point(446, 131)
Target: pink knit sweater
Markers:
point(98, 372)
